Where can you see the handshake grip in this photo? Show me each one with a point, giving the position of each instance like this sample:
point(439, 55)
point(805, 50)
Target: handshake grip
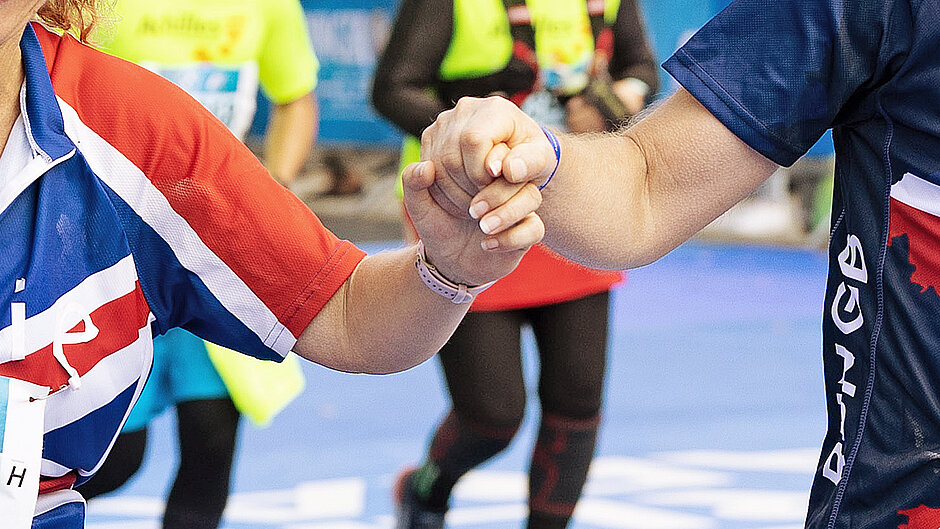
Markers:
point(600, 95)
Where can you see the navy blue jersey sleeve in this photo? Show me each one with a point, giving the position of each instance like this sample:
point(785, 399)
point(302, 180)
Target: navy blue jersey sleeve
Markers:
point(780, 73)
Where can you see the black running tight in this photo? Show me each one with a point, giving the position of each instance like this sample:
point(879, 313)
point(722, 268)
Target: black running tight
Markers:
point(483, 368)
point(207, 433)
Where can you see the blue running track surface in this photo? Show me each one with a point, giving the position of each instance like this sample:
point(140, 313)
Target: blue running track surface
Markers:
point(713, 416)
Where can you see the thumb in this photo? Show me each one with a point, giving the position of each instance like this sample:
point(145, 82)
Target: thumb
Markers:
point(417, 179)
point(531, 161)
point(418, 176)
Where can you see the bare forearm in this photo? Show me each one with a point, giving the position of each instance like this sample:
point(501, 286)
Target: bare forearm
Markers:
point(591, 208)
point(625, 200)
point(290, 137)
point(384, 319)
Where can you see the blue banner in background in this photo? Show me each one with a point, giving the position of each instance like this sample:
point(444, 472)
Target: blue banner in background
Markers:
point(347, 36)
point(669, 24)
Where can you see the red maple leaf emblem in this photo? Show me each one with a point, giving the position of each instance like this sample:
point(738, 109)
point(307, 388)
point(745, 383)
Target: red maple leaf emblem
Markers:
point(922, 517)
point(921, 229)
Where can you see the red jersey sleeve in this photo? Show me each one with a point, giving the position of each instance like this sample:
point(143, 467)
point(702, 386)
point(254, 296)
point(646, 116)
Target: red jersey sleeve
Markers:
point(217, 242)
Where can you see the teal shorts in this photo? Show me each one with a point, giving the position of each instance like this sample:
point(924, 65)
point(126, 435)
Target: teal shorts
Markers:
point(181, 372)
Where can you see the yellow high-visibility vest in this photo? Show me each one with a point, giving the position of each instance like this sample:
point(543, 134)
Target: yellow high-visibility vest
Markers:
point(482, 42)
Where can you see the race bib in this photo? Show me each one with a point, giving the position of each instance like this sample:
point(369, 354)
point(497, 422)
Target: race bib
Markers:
point(22, 406)
point(566, 78)
point(564, 45)
point(229, 92)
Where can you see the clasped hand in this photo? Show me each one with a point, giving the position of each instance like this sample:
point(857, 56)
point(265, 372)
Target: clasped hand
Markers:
point(473, 196)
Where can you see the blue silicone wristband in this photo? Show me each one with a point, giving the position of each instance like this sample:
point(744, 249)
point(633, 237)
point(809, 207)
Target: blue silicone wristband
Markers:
point(557, 147)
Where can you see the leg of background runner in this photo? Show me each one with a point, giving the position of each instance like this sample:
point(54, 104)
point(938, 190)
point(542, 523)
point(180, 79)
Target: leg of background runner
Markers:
point(483, 369)
point(572, 342)
point(207, 433)
point(123, 462)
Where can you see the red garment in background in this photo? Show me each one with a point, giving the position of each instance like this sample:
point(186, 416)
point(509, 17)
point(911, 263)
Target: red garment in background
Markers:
point(543, 278)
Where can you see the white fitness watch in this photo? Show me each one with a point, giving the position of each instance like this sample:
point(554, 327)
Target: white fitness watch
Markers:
point(455, 292)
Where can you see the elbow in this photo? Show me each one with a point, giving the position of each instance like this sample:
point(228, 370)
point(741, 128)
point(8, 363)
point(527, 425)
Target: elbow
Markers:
point(385, 362)
point(609, 255)
point(369, 355)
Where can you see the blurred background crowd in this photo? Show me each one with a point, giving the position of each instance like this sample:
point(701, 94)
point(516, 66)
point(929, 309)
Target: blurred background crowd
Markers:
point(349, 177)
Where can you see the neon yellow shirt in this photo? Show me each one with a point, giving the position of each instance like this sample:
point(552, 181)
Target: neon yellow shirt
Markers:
point(219, 50)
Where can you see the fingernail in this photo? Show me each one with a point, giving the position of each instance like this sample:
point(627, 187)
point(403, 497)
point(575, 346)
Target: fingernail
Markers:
point(489, 224)
point(479, 209)
point(518, 167)
point(495, 167)
point(489, 244)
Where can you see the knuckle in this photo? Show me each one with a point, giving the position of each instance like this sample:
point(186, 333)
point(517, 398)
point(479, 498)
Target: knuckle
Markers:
point(511, 211)
point(428, 134)
point(508, 209)
point(523, 208)
point(533, 193)
point(539, 228)
point(471, 139)
point(508, 240)
point(451, 161)
point(525, 234)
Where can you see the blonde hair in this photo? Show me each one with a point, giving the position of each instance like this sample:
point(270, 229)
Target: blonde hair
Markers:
point(75, 16)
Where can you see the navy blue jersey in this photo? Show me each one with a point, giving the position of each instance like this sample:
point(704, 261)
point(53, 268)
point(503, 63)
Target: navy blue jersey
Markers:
point(778, 74)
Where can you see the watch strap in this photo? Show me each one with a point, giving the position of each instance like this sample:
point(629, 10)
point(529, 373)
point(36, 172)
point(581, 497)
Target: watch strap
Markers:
point(456, 292)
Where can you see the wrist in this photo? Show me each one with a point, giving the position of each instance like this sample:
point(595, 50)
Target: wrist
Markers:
point(556, 147)
point(455, 291)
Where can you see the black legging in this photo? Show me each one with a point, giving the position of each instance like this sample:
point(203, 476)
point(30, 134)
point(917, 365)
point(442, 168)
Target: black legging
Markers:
point(483, 367)
point(207, 434)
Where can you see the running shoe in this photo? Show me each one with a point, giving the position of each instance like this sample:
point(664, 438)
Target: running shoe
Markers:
point(409, 513)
